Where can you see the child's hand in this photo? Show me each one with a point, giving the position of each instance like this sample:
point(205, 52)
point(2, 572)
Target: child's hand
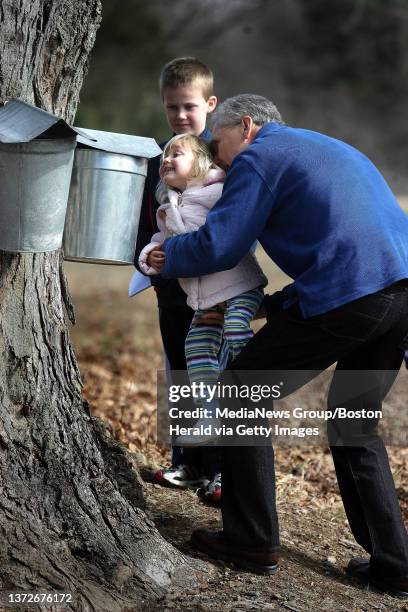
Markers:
point(156, 258)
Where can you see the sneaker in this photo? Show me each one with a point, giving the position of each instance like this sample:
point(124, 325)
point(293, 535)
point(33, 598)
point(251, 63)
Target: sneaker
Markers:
point(211, 492)
point(182, 476)
point(206, 433)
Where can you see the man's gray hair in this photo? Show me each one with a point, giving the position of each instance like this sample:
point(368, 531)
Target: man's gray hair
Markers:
point(231, 111)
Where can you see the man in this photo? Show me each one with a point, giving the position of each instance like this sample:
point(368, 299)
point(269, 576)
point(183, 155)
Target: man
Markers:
point(326, 216)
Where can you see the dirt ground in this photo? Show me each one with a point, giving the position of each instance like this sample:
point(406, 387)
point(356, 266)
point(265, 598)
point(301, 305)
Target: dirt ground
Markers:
point(118, 346)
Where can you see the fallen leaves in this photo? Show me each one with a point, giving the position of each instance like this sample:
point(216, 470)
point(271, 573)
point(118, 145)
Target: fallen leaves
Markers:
point(119, 351)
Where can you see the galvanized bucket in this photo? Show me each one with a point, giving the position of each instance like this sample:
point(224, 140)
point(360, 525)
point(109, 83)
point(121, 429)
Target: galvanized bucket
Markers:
point(104, 207)
point(34, 186)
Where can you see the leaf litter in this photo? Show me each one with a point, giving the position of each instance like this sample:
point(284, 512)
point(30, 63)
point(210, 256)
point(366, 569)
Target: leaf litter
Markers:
point(119, 352)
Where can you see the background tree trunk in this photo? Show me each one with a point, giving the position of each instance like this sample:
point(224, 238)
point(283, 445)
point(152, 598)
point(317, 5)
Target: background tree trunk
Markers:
point(71, 502)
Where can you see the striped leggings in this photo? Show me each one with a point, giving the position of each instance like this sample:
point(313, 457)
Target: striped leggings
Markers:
point(204, 359)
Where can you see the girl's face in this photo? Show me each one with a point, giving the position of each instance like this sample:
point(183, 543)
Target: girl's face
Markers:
point(176, 168)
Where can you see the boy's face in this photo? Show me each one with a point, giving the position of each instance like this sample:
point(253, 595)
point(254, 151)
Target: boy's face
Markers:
point(187, 109)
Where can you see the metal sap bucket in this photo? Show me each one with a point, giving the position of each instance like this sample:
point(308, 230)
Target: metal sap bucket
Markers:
point(34, 185)
point(104, 207)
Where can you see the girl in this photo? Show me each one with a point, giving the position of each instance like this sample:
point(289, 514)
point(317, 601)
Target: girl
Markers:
point(190, 186)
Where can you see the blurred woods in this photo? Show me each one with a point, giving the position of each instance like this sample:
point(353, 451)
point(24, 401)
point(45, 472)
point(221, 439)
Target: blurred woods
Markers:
point(338, 67)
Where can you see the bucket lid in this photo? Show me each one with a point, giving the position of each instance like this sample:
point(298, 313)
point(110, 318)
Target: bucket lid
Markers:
point(22, 122)
point(126, 144)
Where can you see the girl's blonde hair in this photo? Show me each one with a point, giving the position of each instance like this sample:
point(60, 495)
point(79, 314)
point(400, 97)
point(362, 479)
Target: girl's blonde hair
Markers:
point(202, 162)
point(202, 155)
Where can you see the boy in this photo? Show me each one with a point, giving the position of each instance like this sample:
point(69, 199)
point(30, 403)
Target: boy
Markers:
point(186, 88)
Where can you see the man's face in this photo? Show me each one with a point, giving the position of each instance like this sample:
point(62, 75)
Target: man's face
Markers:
point(228, 142)
point(187, 109)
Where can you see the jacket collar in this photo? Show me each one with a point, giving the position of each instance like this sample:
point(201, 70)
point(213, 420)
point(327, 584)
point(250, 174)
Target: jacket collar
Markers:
point(269, 128)
point(205, 134)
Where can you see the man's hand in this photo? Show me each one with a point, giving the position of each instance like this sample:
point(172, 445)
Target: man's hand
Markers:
point(156, 258)
point(216, 317)
point(261, 314)
point(213, 317)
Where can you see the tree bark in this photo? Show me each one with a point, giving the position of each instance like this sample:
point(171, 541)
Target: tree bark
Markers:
point(71, 502)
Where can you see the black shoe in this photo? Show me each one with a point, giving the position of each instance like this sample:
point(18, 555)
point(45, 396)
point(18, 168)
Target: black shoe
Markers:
point(214, 544)
point(359, 568)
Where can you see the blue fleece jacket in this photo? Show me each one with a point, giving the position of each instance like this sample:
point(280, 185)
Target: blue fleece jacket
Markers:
point(320, 209)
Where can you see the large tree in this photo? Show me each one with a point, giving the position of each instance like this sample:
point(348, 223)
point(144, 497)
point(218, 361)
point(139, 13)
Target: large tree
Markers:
point(71, 503)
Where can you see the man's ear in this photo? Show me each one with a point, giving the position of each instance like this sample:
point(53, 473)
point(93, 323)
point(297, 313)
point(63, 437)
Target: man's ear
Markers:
point(211, 104)
point(250, 129)
point(247, 124)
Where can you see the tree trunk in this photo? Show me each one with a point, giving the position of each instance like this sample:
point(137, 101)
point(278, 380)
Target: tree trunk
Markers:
point(71, 503)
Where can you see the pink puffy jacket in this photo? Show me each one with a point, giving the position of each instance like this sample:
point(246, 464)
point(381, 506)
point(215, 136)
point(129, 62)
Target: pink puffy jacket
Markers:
point(186, 212)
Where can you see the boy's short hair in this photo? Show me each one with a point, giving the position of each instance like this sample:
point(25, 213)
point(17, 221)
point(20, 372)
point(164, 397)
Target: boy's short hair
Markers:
point(187, 71)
